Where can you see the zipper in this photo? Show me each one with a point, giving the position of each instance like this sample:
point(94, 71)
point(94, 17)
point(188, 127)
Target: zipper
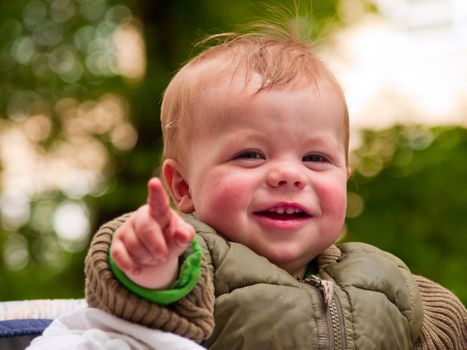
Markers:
point(335, 320)
point(332, 308)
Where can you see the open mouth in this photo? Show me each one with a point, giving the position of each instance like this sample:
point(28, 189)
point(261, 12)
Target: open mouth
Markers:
point(281, 213)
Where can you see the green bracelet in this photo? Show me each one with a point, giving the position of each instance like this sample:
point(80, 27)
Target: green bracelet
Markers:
point(190, 271)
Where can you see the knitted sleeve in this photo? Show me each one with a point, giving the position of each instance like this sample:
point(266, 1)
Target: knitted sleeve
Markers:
point(444, 320)
point(191, 317)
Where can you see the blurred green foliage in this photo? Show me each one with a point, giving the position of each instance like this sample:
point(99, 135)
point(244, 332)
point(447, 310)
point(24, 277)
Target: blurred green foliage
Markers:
point(406, 195)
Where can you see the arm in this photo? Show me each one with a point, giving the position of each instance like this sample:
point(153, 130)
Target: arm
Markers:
point(191, 316)
point(444, 319)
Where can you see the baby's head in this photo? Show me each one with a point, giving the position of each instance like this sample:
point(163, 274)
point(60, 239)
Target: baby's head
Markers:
point(277, 60)
point(256, 139)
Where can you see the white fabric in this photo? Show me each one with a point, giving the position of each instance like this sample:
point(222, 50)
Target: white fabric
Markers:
point(40, 308)
point(93, 329)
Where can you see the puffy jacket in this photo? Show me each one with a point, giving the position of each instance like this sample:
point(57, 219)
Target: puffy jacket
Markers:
point(361, 298)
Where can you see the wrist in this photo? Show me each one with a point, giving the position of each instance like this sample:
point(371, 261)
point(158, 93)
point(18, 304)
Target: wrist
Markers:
point(190, 271)
point(159, 277)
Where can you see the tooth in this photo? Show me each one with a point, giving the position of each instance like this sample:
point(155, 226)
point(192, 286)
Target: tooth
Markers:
point(290, 210)
point(280, 210)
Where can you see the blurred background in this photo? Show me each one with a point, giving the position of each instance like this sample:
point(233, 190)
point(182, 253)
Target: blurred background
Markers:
point(80, 89)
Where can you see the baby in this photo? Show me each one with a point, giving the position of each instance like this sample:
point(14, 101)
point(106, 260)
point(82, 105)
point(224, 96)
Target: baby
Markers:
point(256, 138)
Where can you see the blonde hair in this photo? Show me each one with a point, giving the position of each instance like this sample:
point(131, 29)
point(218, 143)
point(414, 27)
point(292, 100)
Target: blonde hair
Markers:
point(278, 56)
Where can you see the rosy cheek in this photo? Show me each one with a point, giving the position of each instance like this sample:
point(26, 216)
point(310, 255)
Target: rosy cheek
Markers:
point(333, 200)
point(222, 199)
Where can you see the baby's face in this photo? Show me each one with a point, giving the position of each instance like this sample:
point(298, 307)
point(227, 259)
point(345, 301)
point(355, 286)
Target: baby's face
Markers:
point(270, 171)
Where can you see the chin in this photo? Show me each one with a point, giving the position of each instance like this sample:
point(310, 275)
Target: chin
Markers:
point(283, 258)
point(291, 260)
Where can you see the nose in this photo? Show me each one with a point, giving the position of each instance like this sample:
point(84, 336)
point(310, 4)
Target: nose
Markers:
point(285, 175)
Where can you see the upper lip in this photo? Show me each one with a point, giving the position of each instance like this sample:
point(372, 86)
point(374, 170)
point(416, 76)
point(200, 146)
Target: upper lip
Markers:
point(285, 207)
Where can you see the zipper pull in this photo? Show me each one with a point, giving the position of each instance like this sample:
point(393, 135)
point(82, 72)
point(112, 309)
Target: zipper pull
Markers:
point(326, 287)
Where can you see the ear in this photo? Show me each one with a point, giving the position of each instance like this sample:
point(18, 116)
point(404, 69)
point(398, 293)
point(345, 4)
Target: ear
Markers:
point(178, 187)
point(349, 173)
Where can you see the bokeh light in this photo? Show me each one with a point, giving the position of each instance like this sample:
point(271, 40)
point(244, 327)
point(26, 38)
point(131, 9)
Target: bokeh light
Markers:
point(57, 136)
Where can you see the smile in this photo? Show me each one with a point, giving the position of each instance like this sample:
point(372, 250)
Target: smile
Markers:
point(284, 212)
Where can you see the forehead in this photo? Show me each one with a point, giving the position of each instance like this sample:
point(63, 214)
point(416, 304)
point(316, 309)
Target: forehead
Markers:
point(237, 97)
point(233, 106)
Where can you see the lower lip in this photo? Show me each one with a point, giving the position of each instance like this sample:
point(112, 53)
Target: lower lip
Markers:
point(291, 224)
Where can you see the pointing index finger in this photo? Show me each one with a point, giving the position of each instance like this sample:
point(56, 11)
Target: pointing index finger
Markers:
point(159, 206)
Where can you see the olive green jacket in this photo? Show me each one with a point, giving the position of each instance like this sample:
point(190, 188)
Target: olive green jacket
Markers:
point(361, 298)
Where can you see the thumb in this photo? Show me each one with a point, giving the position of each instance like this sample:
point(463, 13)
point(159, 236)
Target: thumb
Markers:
point(182, 237)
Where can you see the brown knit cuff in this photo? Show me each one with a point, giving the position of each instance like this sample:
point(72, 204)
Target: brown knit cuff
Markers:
point(329, 256)
point(191, 317)
point(444, 319)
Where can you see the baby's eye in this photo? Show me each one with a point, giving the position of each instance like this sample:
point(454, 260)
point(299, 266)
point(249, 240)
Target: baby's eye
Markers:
point(315, 158)
point(249, 155)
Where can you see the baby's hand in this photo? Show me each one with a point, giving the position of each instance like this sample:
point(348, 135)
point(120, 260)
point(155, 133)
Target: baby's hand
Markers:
point(147, 246)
